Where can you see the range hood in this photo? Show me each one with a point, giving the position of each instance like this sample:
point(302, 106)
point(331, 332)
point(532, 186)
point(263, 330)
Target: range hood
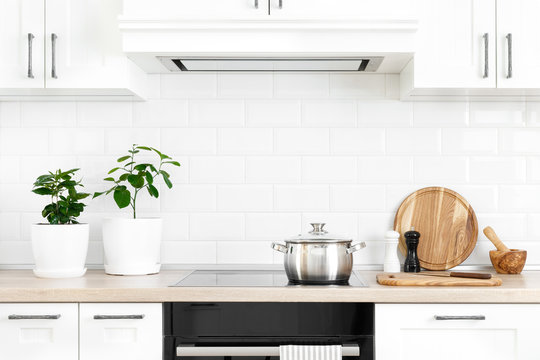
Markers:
point(197, 64)
point(176, 46)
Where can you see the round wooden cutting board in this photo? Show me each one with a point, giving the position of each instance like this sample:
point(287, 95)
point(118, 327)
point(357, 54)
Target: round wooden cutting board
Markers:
point(447, 225)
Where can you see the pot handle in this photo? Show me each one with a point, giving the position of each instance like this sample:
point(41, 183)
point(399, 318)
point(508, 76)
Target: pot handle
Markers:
point(279, 247)
point(356, 247)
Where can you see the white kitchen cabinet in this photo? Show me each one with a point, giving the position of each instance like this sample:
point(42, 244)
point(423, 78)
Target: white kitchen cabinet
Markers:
point(86, 59)
point(38, 331)
point(519, 19)
point(21, 39)
point(473, 331)
point(120, 331)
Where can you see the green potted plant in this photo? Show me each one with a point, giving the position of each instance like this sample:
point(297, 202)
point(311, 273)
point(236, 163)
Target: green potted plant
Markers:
point(132, 245)
point(60, 245)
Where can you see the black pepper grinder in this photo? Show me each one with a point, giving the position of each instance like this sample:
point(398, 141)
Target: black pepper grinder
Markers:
point(412, 264)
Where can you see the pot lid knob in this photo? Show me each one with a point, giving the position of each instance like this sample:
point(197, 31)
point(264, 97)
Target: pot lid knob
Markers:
point(318, 228)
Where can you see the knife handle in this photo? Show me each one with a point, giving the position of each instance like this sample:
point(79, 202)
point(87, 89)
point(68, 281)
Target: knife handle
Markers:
point(470, 275)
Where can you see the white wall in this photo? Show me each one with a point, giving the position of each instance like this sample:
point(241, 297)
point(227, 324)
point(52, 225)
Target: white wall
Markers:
point(263, 155)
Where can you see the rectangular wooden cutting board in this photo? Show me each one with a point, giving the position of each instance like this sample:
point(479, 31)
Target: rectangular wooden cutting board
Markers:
point(415, 279)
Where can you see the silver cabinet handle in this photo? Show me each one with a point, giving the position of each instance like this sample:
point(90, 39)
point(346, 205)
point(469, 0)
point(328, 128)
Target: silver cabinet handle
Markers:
point(119, 317)
point(509, 40)
point(256, 4)
point(30, 72)
point(460, 317)
point(280, 4)
point(204, 351)
point(53, 57)
point(34, 317)
point(486, 55)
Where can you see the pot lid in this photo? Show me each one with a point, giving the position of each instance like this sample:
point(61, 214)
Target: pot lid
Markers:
point(318, 234)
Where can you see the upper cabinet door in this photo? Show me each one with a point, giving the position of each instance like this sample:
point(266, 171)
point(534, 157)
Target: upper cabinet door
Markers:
point(83, 44)
point(342, 9)
point(196, 9)
point(456, 44)
point(518, 36)
point(21, 38)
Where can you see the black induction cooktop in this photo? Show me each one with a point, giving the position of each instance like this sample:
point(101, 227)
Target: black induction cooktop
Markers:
point(250, 278)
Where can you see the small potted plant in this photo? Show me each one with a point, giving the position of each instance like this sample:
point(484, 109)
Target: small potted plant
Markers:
point(60, 246)
point(132, 245)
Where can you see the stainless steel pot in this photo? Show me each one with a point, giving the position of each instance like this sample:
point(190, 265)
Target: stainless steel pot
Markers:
point(318, 257)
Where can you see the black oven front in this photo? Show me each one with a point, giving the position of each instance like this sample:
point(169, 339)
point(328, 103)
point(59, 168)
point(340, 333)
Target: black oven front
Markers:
point(255, 331)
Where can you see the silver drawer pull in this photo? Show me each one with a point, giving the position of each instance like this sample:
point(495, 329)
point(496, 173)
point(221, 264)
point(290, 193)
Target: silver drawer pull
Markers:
point(119, 317)
point(198, 351)
point(30, 71)
point(486, 55)
point(256, 4)
point(34, 317)
point(53, 56)
point(510, 70)
point(460, 317)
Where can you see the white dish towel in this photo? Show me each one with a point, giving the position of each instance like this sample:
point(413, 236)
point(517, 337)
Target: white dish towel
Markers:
point(310, 352)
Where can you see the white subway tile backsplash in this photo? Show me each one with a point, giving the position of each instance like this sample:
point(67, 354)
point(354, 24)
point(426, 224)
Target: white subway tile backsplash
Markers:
point(160, 113)
point(264, 154)
point(385, 169)
point(10, 114)
point(25, 141)
point(357, 85)
point(217, 226)
point(301, 141)
point(216, 113)
point(519, 141)
point(216, 170)
point(248, 85)
point(497, 114)
point(104, 114)
point(309, 198)
point(245, 198)
point(48, 114)
point(273, 113)
point(301, 85)
point(188, 86)
point(196, 141)
point(469, 141)
point(357, 141)
point(498, 170)
point(245, 141)
point(385, 113)
point(272, 226)
point(328, 169)
point(329, 113)
point(440, 170)
point(357, 198)
point(189, 198)
point(413, 141)
point(437, 114)
point(273, 169)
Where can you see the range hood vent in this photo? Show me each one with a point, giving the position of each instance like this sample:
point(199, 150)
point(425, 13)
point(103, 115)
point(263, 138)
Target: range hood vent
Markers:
point(201, 64)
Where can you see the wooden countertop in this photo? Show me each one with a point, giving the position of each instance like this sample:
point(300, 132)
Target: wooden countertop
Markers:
point(95, 286)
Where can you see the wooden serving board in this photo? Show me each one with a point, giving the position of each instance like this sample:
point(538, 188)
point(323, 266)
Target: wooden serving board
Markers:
point(447, 225)
point(411, 279)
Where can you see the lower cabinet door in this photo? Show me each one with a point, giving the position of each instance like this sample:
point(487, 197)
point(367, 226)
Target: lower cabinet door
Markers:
point(120, 331)
point(39, 331)
point(457, 331)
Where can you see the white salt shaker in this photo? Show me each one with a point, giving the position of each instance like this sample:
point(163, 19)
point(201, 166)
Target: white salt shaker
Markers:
point(391, 260)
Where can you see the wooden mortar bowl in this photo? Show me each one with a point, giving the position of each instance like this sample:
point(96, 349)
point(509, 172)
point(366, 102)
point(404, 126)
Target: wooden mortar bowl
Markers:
point(508, 262)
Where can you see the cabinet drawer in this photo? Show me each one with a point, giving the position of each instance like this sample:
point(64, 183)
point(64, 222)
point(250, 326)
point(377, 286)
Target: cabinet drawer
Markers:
point(457, 331)
point(38, 331)
point(120, 331)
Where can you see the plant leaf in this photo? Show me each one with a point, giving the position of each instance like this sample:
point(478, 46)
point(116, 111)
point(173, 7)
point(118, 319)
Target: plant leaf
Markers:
point(123, 177)
point(153, 191)
point(123, 158)
point(113, 170)
point(167, 181)
point(149, 178)
point(109, 179)
point(143, 148)
point(122, 197)
point(163, 172)
point(42, 191)
point(96, 194)
point(175, 163)
point(137, 181)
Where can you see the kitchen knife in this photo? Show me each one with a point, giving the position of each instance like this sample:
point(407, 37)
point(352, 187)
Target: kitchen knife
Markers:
point(458, 274)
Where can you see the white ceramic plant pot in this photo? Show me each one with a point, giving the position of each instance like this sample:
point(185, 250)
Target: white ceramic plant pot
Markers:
point(132, 246)
point(60, 250)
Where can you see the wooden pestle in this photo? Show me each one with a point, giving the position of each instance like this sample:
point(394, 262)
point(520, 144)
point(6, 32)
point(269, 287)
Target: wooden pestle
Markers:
point(492, 236)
